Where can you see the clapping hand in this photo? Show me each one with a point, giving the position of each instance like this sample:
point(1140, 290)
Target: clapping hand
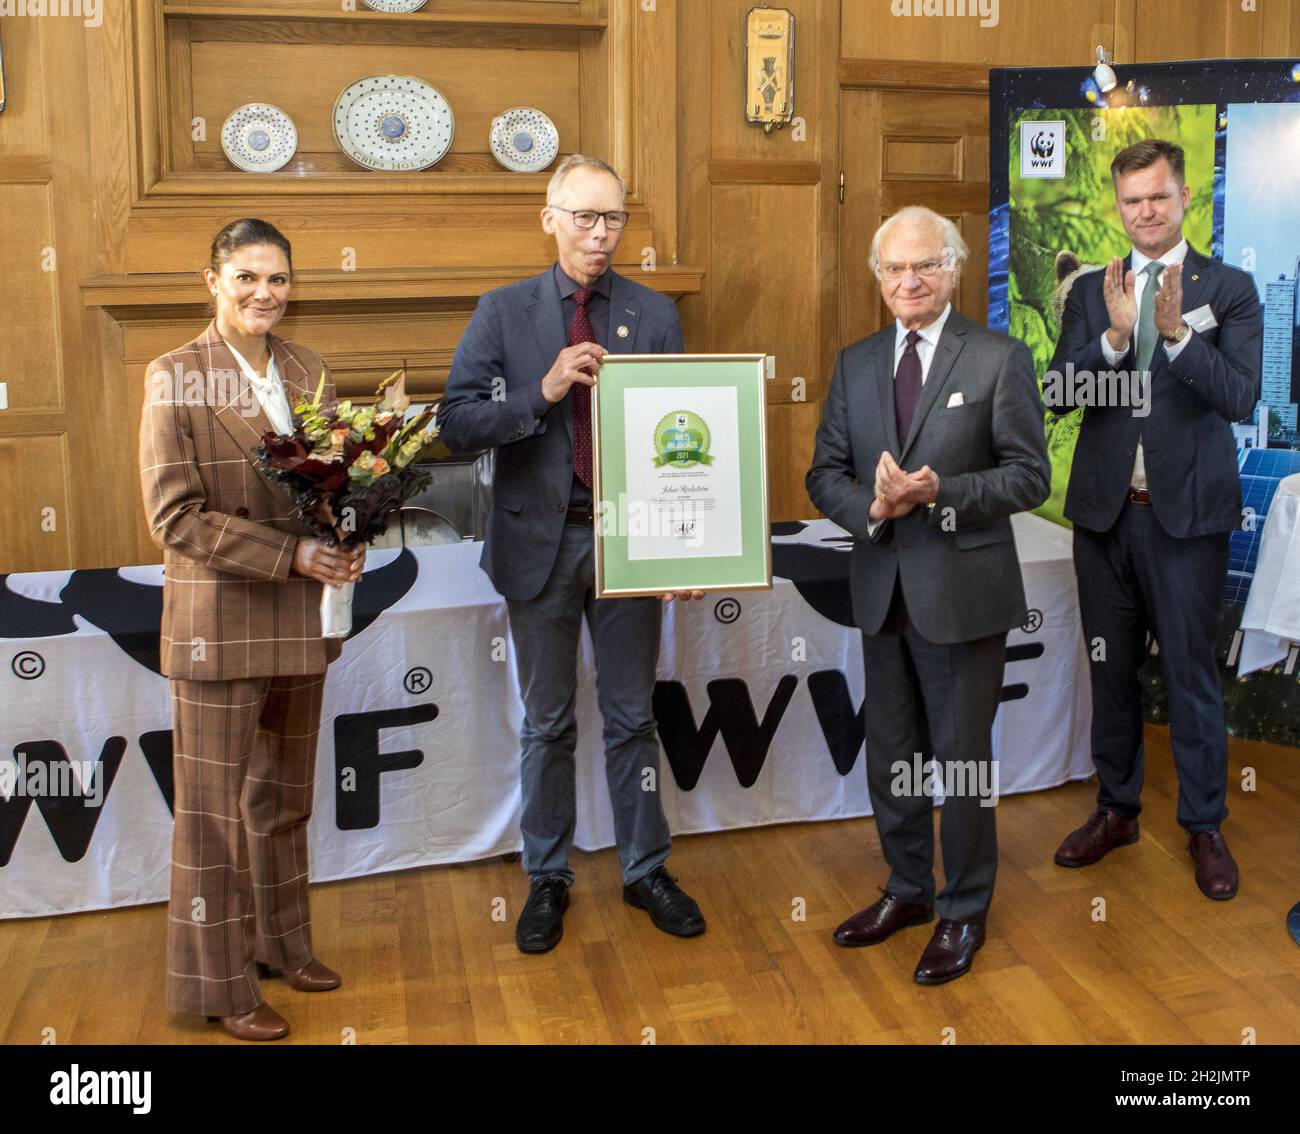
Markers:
point(1169, 301)
point(1120, 290)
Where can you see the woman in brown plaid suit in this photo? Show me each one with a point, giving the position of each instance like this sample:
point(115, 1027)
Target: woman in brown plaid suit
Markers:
point(241, 643)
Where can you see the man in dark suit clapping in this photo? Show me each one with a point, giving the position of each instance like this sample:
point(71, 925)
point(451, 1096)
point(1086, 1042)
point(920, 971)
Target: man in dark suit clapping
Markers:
point(1154, 492)
point(934, 574)
point(521, 382)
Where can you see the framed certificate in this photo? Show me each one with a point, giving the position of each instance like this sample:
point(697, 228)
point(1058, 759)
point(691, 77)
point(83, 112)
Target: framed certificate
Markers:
point(680, 454)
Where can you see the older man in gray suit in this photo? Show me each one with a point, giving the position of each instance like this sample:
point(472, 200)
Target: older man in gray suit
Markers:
point(521, 382)
point(934, 575)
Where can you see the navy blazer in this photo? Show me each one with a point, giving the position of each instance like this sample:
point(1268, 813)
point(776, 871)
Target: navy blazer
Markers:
point(957, 561)
point(1188, 446)
point(492, 401)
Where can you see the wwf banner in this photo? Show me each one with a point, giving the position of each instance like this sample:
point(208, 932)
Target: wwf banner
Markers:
point(759, 704)
point(1053, 134)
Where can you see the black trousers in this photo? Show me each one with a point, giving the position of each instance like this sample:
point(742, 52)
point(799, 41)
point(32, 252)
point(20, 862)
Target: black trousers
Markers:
point(1137, 578)
point(926, 700)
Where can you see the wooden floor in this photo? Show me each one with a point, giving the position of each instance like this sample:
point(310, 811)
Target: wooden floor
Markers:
point(424, 961)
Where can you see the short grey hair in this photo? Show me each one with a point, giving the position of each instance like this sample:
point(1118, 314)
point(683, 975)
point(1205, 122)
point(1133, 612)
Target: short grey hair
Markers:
point(919, 213)
point(579, 161)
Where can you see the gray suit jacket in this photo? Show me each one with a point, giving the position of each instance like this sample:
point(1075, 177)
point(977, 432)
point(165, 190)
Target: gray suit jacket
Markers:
point(515, 334)
point(957, 561)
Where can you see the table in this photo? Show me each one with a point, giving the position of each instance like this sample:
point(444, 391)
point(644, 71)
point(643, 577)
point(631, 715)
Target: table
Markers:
point(757, 701)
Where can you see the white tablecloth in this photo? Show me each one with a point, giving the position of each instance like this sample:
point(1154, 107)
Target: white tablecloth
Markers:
point(759, 691)
point(1270, 622)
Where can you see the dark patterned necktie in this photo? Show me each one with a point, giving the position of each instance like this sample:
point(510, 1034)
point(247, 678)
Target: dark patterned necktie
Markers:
point(580, 332)
point(907, 386)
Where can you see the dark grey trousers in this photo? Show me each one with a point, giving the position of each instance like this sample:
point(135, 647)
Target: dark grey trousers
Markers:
point(625, 634)
point(938, 701)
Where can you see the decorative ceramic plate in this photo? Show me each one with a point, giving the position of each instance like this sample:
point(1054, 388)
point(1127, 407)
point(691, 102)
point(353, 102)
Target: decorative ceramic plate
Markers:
point(524, 140)
point(395, 5)
point(259, 137)
point(393, 122)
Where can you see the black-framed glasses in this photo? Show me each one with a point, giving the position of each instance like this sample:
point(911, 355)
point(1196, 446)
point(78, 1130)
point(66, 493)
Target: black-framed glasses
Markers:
point(587, 218)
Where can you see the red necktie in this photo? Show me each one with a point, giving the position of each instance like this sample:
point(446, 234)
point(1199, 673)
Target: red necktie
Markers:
point(907, 386)
point(580, 332)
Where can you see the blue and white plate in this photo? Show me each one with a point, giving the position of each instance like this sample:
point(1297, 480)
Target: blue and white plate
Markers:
point(524, 140)
point(259, 137)
point(395, 5)
point(393, 122)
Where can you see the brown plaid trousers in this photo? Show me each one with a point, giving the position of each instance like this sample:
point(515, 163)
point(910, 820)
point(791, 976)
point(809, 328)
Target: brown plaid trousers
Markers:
point(244, 759)
point(241, 644)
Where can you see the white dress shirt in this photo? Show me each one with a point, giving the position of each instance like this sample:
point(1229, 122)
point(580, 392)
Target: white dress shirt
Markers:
point(925, 347)
point(1175, 255)
point(269, 390)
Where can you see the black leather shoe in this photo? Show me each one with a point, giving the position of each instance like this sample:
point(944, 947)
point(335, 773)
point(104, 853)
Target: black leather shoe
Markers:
point(670, 908)
point(541, 924)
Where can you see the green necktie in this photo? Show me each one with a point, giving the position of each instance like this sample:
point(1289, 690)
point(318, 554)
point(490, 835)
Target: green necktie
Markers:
point(1146, 344)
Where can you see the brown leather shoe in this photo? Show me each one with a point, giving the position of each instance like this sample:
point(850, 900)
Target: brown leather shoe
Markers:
point(881, 919)
point(950, 952)
point(262, 1023)
point(1101, 834)
point(312, 977)
point(1216, 869)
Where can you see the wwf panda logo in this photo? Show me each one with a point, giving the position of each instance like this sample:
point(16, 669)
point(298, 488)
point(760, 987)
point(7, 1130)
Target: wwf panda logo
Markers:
point(1042, 144)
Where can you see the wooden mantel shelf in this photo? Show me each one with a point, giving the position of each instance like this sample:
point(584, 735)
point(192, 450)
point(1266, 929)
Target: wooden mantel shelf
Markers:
point(141, 294)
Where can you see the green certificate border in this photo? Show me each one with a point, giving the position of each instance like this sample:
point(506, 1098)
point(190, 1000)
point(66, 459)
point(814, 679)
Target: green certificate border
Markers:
point(616, 574)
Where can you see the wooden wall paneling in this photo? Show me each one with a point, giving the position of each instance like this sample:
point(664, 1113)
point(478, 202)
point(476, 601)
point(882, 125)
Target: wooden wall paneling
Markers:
point(758, 204)
point(1191, 29)
point(179, 110)
point(1028, 35)
point(479, 9)
point(34, 470)
point(860, 213)
point(31, 350)
point(695, 125)
point(655, 120)
point(594, 83)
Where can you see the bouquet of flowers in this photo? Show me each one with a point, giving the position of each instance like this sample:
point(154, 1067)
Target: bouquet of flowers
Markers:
point(347, 468)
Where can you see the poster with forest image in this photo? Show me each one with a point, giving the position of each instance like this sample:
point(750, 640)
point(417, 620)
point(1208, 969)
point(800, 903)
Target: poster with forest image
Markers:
point(1059, 226)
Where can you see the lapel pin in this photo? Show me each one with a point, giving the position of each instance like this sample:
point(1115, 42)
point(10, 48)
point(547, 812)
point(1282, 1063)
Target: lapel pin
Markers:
point(621, 332)
point(1195, 277)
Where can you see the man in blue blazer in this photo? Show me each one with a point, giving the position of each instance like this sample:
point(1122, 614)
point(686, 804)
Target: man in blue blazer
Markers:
point(521, 383)
point(1154, 492)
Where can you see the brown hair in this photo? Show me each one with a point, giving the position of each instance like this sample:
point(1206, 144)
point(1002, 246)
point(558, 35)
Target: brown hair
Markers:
point(247, 230)
point(1143, 155)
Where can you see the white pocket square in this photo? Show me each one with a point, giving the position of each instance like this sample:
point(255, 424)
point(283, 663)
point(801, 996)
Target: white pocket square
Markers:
point(1202, 319)
point(956, 400)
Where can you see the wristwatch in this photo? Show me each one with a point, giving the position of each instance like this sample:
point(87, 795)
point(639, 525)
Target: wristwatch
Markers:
point(1179, 335)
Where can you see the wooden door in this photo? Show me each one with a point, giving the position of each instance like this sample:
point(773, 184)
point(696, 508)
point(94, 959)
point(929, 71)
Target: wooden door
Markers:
point(902, 148)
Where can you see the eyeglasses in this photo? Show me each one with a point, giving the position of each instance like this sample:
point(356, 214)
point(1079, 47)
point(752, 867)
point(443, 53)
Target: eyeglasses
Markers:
point(926, 269)
point(586, 218)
